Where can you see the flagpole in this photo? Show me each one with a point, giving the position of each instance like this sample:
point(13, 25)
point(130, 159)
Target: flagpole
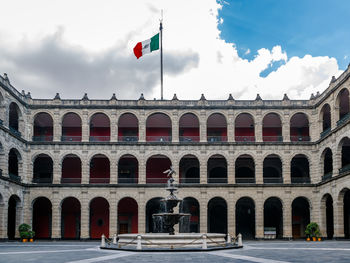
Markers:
point(161, 55)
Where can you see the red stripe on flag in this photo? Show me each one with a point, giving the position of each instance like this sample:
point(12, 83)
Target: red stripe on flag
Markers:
point(138, 50)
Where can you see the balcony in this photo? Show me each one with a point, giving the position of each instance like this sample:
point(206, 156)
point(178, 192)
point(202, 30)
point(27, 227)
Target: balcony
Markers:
point(66, 138)
point(343, 120)
point(300, 180)
point(158, 138)
point(217, 138)
point(99, 180)
point(300, 138)
point(130, 139)
point(327, 176)
point(100, 138)
point(240, 180)
point(188, 139)
point(344, 169)
point(325, 132)
point(276, 138)
point(43, 138)
point(14, 177)
point(42, 180)
point(217, 180)
point(129, 180)
point(189, 180)
point(156, 180)
point(70, 180)
point(273, 180)
point(245, 138)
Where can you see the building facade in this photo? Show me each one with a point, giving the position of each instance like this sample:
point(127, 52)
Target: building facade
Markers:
point(81, 168)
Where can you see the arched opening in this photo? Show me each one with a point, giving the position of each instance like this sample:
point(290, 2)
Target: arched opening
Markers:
point(13, 164)
point(299, 128)
point(128, 128)
point(42, 217)
point(70, 218)
point(245, 217)
point(244, 128)
point(217, 215)
point(216, 128)
point(343, 104)
point(71, 169)
point(326, 119)
point(71, 127)
point(128, 170)
point(155, 167)
point(273, 218)
point(99, 169)
point(300, 216)
point(189, 170)
point(158, 128)
point(327, 164)
point(43, 127)
point(272, 171)
point(42, 169)
point(152, 207)
point(346, 207)
point(14, 116)
point(2, 109)
point(217, 169)
point(99, 218)
point(245, 169)
point(300, 170)
point(189, 205)
point(272, 128)
point(189, 128)
point(327, 205)
point(100, 130)
point(127, 216)
point(345, 155)
point(12, 216)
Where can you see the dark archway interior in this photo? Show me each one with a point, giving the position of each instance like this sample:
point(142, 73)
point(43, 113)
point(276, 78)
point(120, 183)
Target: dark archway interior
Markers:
point(343, 103)
point(189, 128)
point(189, 170)
point(128, 170)
point(217, 216)
point(217, 170)
point(244, 128)
point(70, 218)
point(11, 218)
point(71, 170)
point(347, 214)
point(13, 117)
point(190, 205)
point(345, 155)
point(100, 128)
point(300, 217)
point(328, 162)
point(329, 217)
point(245, 169)
point(99, 218)
point(71, 127)
point(300, 172)
point(42, 218)
point(127, 216)
point(272, 128)
point(43, 127)
point(128, 128)
point(13, 163)
point(158, 128)
point(273, 216)
point(99, 170)
point(272, 169)
point(155, 167)
point(326, 118)
point(153, 206)
point(245, 218)
point(43, 169)
point(299, 128)
point(216, 128)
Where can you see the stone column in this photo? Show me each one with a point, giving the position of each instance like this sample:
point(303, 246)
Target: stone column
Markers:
point(113, 213)
point(85, 215)
point(338, 211)
point(259, 216)
point(57, 126)
point(113, 172)
point(3, 220)
point(56, 216)
point(142, 126)
point(231, 171)
point(57, 171)
point(259, 169)
point(175, 127)
point(287, 216)
point(85, 171)
point(334, 116)
point(322, 218)
point(114, 127)
point(85, 128)
point(258, 129)
point(203, 210)
point(231, 215)
point(286, 130)
point(286, 171)
point(231, 128)
point(203, 171)
point(142, 170)
point(203, 127)
point(142, 211)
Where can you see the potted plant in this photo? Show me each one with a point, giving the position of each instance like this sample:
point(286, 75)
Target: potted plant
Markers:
point(312, 231)
point(26, 233)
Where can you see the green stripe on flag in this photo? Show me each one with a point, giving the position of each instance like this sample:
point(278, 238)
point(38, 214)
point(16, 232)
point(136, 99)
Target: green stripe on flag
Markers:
point(155, 42)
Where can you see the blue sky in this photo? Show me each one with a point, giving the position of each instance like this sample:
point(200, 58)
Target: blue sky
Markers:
point(300, 27)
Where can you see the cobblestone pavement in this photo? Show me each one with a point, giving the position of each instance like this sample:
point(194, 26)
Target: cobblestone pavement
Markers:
point(253, 251)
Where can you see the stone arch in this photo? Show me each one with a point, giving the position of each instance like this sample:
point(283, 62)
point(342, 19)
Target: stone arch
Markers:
point(127, 215)
point(190, 205)
point(272, 127)
point(128, 127)
point(128, 169)
point(325, 119)
point(327, 215)
point(327, 163)
point(217, 127)
point(15, 164)
point(344, 206)
point(158, 127)
point(217, 169)
point(71, 127)
point(70, 218)
point(99, 217)
point(299, 127)
point(344, 151)
point(245, 169)
point(15, 118)
point(189, 169)
point(42, 169)
point(42, 217)
point(43, 127)
point(272, 169)
point(13, 215)
point(153, 206)
point(300, 169)
point(71, 169)
point(99, 169)
point(155, 166)
point(189, 127)
point(300, 216)
point(342, 104)
point(245, 217)
point(273, 215)
point(100, 127)
point(244, 127)
point(217, 215)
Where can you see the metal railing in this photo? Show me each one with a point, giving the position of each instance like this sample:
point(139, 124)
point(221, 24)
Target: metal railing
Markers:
point(100, 138)
point(276, 138)
point(327, 176)
point(343, 119)
point(158, 138)
point(15, 132)
point(189, 180)
point(185, 139)
point(67, 138)
point(128, 138)
point(71, 180)
point(325, 132)
point(15, 177)
point(300, 180)
point(245, 138)
point(42, 180)
point(162, 180)
point(300, 138)
point(43, 138)
point(245, 180)
point(217, 180)
point(273, 180)
point(344, 169)
point(99, 180)
point(217, 138)
point(130, 180)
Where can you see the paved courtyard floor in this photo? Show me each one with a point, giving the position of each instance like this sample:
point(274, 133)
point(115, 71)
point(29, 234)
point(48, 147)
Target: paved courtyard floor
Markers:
point(253, 251)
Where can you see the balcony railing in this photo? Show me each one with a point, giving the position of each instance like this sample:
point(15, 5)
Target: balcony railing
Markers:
point(240, 180)
point(273, 180)
point(189, 180)
point(128, 138)
point(43, 138)
point(344, 169)
point(300, 180)
point(99, 180)
point(343, 119)
point(189, 139)
point(300, 138)
point(327, 176)
point(222, 180)
point(100, 138)
point(273, 138)
point(66, 138)
point(15, 177)
point(158, 138)
point(245, 138)
point(131, 180)
point(71, 180)
point(325, 132)
point(161, 180)
point(217, 138)
point(42, 180)
point(15, 132)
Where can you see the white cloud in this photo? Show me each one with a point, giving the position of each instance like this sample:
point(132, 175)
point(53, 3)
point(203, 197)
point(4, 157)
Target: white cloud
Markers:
point(98, 37)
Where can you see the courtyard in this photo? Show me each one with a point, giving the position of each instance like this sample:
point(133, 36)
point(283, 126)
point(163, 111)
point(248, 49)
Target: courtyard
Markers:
point(253, 251)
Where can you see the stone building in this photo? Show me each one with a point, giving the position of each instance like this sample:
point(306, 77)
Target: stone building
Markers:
point(80, 168)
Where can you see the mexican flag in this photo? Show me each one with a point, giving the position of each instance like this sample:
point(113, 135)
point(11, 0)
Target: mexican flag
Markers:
point(146, 46)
